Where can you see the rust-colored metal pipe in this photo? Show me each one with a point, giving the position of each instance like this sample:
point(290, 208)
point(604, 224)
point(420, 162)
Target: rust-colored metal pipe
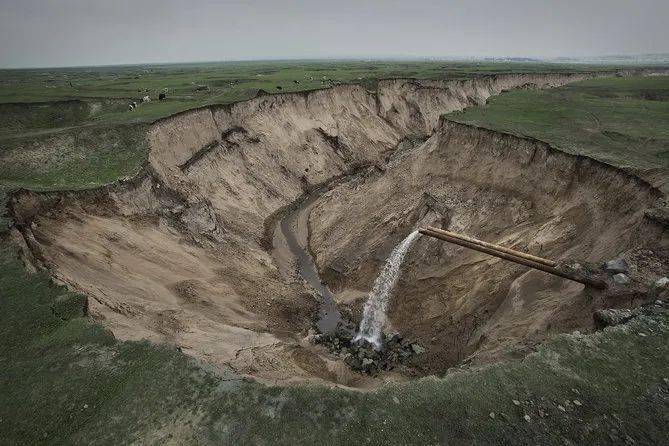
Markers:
point(514, 258)
point(494, 246)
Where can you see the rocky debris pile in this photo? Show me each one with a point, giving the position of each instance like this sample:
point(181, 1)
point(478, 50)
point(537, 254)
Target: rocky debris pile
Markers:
point(612, 317)
point(640, 266)
point(618, 269)
point(636, 272)
point(361, 355)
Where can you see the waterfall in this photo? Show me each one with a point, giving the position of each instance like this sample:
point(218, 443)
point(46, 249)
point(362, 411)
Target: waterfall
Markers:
point(374, 314)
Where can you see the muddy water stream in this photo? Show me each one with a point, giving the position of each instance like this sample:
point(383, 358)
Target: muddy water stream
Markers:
point(291, 250)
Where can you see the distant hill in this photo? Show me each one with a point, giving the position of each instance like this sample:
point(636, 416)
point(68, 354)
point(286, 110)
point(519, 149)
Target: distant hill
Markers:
point(658, 58)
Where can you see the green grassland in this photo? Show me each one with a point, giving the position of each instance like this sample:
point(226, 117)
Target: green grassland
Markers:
point(227, 81)
point(621, 121)
point(66, 380)
point(78, 158)
point(100, 95)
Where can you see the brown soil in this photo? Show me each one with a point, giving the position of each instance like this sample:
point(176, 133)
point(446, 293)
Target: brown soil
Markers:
point(180, 253)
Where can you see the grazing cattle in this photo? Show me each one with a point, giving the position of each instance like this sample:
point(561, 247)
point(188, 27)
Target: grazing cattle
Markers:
point(297, 82)
point(279, 87)
point(132, 105)
point(162, 96)
point(145, 99)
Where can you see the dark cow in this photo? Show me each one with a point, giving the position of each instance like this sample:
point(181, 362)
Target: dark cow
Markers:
point(162, 96)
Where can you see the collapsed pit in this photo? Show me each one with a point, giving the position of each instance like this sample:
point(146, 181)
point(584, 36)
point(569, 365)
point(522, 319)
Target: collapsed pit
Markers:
point(190, 251)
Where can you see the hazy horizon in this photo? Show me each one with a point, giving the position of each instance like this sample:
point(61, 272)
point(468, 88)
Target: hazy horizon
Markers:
point(52, 33)
point(464, 59)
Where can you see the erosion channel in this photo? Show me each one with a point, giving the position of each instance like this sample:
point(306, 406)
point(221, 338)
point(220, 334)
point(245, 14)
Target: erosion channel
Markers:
point(202, 247)
point(291, 252)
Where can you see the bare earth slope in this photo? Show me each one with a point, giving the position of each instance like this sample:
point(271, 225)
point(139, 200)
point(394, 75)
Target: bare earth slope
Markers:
point(515, 192)
point(180, 253)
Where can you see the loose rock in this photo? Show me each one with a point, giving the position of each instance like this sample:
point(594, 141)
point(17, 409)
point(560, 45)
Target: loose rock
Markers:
point(621, 279)
point(418, 349)
point(616, 266)
point(661, 283)
point(611, 318)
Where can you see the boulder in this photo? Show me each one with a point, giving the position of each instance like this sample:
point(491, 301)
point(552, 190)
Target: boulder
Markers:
point(417, 349)
point(621, 279)
point(616, 266)
point(393, 339)
point(661, 283)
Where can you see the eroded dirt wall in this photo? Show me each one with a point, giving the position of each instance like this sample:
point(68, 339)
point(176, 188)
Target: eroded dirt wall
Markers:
point(500, 188)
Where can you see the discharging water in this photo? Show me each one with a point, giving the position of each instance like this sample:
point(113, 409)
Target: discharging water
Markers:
point(374, 313)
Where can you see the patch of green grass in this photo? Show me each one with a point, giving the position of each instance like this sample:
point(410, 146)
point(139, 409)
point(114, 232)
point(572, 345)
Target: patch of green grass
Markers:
point(621, 121)
point(20, 118)
point(73, 158)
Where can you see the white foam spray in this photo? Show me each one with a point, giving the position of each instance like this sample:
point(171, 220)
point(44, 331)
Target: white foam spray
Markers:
point(374, 313)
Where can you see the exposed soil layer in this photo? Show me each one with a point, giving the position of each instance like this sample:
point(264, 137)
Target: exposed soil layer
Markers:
point(181, 253)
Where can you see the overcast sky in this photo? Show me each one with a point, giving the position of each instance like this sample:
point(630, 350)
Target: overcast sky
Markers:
point(97, 32)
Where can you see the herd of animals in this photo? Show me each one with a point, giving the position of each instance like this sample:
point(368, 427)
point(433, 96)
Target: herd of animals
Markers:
point(162, 96)
point(133, 105)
